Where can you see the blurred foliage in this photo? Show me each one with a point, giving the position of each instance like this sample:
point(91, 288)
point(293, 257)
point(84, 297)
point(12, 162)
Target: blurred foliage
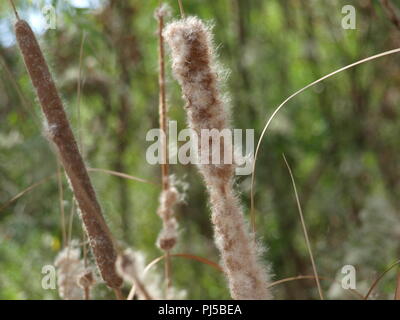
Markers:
point(340, 137)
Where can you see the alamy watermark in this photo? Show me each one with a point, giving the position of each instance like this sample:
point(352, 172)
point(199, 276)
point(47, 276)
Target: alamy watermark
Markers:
point(349, 20)
point(209, 146)
point(349, 278)
point(50, 15)
point(49, 277)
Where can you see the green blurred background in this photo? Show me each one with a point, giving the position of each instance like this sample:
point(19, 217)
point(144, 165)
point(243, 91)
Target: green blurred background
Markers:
point(341, 138)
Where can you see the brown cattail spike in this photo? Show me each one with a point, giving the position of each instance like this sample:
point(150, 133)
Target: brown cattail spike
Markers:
point(59, 132)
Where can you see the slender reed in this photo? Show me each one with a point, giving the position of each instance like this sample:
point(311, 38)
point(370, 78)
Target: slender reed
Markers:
point(181, 9)
point(60, 133)
point(14, 9)
point(397, 292)
point(169, 195)
point(193, 65)
point(61, 201)
point(379, 278)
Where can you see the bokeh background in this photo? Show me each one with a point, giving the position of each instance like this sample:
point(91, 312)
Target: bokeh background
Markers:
point(341, 138)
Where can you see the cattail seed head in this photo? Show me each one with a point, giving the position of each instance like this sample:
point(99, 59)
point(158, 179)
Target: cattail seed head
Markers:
point(69, 267)
point(169, 234)
point(194, 67)
point(86, 279)
point(197, 72)
point(60, 133)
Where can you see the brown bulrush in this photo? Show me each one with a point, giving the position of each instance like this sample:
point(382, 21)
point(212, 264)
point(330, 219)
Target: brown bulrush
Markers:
point(193, 66)
point(60, 133)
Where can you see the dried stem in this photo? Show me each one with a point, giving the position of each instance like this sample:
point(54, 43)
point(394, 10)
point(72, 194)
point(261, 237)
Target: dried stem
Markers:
point(86, 292)
point(397, 293)
point(118, 294)
point(61, 201)
point(14, 9)
point(164, 128)
point(168, 273)
point(25, 102)
point(379, 278)
point(122, 175)
point(162, 104)
point(71, 221)
point(166, 239)
point(79, 133)
point(25, 191)
point(79, 89)
point(181, 9)
point(60, 133)
point(303, 224)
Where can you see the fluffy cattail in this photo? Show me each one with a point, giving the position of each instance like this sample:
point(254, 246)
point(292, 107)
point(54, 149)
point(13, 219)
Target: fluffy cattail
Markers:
point(60, 133)
point(193, 66)
point(69, 268)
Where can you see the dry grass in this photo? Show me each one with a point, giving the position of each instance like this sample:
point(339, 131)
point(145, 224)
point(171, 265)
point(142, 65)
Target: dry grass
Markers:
point(303, 224)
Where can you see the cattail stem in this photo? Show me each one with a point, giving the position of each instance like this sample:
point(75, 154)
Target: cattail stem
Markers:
point(60, 133)
point(162, 104)
point(118, 294)
point(14, 9)
point(181, 9)
point(168, 273)
point(165, 210)
point(164, 128)
point(61, 201)
point(86, 292)
point(193, 66)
